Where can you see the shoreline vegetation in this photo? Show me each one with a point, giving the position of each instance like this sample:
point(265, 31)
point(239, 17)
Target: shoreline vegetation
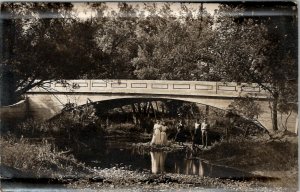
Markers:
point(275, 157)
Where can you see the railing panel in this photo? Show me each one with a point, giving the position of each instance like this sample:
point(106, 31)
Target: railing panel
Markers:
point(181, 86)
point(226, 88)
point(203, 87)
point(99, 84)
point(119, 85)
point(159, 86)
point(138, 85)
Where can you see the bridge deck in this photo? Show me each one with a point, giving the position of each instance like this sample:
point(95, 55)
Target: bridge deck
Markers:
point(193, 88)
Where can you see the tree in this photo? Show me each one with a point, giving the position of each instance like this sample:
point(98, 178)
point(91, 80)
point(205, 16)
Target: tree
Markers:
point(287, 102)
point(39, 48)
point(245, 107)
point(248, 50)
point(172, 47)
point(116, 38)
point(33, 46)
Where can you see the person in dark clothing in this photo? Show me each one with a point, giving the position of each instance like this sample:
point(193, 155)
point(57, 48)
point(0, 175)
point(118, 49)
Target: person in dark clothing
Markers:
point(180, 136)
point(197, 133)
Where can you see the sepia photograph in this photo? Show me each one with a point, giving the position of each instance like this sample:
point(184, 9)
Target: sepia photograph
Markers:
point(149, 96)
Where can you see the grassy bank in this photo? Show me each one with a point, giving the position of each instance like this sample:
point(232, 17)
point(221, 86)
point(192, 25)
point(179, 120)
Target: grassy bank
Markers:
point(272, 154)
point(38, 159)
point(275, 157)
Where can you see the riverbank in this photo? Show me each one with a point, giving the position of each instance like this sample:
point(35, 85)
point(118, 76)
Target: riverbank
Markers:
point(274, 159)
point(116, 178)
point(275, 156)
point(28, 159)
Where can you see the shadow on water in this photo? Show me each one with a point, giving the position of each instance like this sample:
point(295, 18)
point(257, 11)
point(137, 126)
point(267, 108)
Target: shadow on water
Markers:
point(158, 162)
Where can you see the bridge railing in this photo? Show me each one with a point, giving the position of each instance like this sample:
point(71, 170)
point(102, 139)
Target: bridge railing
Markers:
point(196, 88)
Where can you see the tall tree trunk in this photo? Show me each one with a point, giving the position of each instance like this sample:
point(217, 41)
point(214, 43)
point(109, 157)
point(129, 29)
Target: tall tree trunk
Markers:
point(163, 109)
point(157, 109)
point(274, 112)
point(206, 112)
point(134, 114)
point(145, 105)
point(8, 80)
point(139, 108)
point(152, 108)
point(201, 20)
point(286, 121)
point(148, 108)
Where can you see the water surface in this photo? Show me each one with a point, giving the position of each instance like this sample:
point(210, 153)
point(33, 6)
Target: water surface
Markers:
point(156, 162)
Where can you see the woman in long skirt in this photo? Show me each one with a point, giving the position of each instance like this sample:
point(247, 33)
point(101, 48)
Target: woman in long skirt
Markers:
point(156, 134)
point(163, 134)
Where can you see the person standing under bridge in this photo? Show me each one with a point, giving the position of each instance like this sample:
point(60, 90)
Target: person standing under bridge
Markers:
point(163, 134)
point(204, 132)
point(197, 133)
point(156, 133)
point(180, 136)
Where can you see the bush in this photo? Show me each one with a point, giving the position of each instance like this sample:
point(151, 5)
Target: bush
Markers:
point(32, 128)
point(42, 158)
point(77, 129)
point(253, 155)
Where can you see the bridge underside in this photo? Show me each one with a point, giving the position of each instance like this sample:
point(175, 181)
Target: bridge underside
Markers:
point(45, 106)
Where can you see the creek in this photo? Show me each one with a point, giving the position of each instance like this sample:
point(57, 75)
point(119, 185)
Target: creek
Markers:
point(121, 155)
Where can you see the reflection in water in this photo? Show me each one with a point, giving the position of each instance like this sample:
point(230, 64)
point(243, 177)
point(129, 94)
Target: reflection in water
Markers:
point(201, 169)
point(158, 162)
point(191, 166)
point(178, 165)
point(162, 162)
point(205, 169)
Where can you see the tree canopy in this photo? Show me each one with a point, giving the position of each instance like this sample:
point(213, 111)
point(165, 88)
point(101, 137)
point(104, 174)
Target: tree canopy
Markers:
point(49, 41)
point(260, 50)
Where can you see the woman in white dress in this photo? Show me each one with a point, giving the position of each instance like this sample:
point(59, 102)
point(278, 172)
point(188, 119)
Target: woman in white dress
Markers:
point(163, 134)
point(156, 133)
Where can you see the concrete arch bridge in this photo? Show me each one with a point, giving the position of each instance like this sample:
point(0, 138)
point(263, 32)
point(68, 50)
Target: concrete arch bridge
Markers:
point(47, 101)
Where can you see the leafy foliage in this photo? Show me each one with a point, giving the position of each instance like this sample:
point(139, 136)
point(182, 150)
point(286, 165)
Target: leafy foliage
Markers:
point(151, 41)
point(245, 106)
point(76, 129)
point(254, 50)
point(172, 49)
